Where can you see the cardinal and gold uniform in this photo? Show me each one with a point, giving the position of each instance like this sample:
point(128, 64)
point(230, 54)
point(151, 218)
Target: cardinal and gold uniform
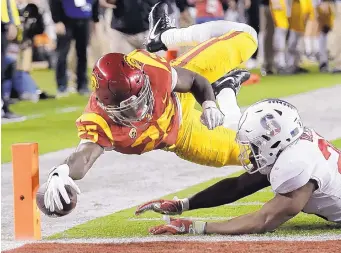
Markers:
point(175, 123)
point(292, 14)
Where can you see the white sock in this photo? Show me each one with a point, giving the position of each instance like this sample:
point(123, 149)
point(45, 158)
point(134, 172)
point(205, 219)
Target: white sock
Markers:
point(228, 105)
point(323, 48)
point(195, 34)
point(316, 44)
point(308, 45)
point(177, 37)
point(279, 46)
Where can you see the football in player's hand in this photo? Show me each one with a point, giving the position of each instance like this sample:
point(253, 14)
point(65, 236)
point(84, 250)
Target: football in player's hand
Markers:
point(67, 208)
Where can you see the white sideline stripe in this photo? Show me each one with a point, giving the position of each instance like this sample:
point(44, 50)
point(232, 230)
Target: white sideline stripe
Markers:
point(191, 218)
point(21, 119)
point(6, 245)
point(36, 116)
point(68, 109)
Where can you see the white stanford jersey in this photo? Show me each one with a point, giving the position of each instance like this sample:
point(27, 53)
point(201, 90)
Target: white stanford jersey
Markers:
point(311, 157)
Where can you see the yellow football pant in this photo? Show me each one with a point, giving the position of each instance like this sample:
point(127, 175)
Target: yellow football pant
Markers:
point(196, 143)
point(211, 59)
point(215, 57)
point(300, 12)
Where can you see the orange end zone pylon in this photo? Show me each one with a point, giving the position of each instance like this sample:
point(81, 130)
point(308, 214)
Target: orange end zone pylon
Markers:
point(25, 185)
point(254, 79)
point(171, 54)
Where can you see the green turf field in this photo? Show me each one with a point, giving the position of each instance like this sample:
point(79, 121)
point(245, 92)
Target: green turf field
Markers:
point(126, 224)
point(337, 143)
point(54, 129)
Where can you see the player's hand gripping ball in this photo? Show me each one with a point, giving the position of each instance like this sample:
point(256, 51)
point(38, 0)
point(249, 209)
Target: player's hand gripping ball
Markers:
point(67, 208)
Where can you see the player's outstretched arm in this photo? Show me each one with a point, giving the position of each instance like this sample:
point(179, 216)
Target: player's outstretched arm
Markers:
point(82, 159)
point(201, 88)
point(274, 213)
point(73, 168)
point(280, 209)
point(228, 190)
point(225, 191)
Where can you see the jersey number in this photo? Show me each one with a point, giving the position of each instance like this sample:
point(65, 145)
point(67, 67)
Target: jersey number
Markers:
point(323, 146)
point(90, 131)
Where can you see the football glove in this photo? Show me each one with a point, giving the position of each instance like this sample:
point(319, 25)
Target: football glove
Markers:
point(211, 115)
point(180, 226)
point(58, 178)
point(163, 206)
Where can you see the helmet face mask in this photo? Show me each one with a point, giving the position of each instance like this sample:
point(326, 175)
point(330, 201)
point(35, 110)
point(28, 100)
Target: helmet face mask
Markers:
point(250, 157)
point(134, 108)
point(265, 130)
point(123, 89)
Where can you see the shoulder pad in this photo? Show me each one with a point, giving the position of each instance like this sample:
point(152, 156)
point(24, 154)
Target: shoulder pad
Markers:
point(291, 171)
point(144, 57)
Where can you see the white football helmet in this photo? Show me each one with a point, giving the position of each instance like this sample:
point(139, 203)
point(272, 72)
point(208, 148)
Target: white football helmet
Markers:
point(265, 129)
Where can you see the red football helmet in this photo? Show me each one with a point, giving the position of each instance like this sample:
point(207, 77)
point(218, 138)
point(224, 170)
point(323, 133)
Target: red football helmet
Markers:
point(122, 88)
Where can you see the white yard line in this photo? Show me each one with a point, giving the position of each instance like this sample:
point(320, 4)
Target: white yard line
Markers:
point(41, 115)
point(21, 119)
point(68, 109)
point(187, 217)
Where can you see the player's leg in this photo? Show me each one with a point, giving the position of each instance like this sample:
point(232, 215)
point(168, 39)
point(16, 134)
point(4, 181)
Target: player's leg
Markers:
point(337, 38)
point(226, 89)
point(325, 19)
point(268, 29)
point(216, 56)
point(279, 11)
point(311, 39)
point(228, 104)
point(311, 36)
point(297, 27)
point(301, 12)
point(197, 144)
point(220, 46)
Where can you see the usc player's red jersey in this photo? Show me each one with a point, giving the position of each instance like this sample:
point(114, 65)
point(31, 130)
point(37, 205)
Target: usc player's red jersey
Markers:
point(155, 132)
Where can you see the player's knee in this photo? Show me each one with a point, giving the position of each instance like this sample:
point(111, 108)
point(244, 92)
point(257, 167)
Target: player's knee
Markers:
point(229, 26)
point(251, 31)
point(253, 34)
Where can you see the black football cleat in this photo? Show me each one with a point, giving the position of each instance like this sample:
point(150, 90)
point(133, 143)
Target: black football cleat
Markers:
point(324, 67)
point(286, 71)
point(159, 22)
point(232, 79)
point(300, 70)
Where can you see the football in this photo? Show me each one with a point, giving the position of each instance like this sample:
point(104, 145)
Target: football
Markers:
point(67, 208)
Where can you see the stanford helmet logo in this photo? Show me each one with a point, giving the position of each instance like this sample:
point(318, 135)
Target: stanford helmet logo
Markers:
point(269, 123)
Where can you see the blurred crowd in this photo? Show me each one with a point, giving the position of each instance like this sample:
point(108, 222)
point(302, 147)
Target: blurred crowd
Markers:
point(68, 36)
